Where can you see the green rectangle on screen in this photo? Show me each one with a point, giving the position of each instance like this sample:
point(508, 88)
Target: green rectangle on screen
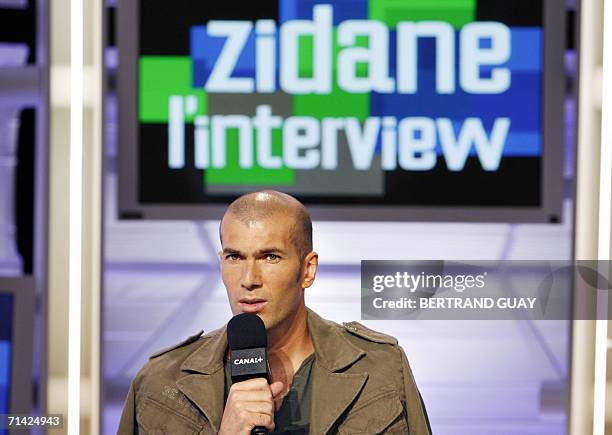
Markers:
point(305, 59)
point(159, 78)
point(455, 12)
point(232, 173)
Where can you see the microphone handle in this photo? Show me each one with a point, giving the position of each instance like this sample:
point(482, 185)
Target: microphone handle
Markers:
point(259, 430)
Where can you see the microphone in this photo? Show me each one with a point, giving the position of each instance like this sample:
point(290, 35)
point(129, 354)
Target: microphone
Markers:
point(247, 340)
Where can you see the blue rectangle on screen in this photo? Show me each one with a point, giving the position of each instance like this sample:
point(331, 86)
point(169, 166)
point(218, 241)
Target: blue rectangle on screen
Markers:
point(205, 51)
point(343, 10)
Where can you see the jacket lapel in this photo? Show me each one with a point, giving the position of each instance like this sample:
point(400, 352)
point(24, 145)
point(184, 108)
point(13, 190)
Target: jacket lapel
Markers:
point(332, 392)
point(204, 383)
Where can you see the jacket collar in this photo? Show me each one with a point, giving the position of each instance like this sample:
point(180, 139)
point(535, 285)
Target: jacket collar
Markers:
point(208, 357)
point(333, 351)
point(204, 383)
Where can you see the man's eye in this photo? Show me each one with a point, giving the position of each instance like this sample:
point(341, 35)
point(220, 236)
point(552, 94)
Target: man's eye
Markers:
point(232, 257)
point(272, 257)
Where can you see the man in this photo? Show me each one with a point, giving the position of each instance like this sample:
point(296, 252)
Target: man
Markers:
point(326, 378)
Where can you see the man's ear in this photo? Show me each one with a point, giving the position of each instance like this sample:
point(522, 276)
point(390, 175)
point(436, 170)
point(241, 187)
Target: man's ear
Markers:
point(311, 263)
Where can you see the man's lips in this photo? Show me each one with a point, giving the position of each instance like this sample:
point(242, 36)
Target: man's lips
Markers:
point(253, 305)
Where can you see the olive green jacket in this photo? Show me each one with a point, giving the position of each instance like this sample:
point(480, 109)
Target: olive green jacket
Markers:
point(362, 384)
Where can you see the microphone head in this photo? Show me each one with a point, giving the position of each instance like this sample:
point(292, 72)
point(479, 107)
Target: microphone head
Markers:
point(245, 331)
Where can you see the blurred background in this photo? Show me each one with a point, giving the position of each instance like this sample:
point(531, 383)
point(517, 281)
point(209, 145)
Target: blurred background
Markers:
point(150, 229)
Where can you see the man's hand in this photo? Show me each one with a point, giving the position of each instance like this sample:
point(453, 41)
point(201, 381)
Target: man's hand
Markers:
point(249, 404)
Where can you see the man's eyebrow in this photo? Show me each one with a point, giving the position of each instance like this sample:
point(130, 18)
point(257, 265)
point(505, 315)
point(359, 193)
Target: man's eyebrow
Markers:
point(269, 250)
point(258, 252)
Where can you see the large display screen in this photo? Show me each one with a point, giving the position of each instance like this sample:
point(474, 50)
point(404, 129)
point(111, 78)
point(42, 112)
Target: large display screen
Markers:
point(6, 349)
point(410, 104)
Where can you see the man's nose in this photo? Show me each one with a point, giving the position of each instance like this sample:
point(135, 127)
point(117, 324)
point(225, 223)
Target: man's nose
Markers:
point(251, 276)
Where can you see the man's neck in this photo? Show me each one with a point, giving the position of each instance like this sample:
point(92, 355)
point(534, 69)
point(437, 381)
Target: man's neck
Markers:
point(288, 348)
point(292, 339)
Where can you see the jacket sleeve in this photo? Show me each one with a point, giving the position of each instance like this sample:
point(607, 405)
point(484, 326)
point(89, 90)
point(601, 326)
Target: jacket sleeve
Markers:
point(128, 425)
point(418, 422)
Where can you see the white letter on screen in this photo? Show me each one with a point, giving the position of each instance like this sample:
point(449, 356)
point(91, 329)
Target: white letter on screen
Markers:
point(220, 125)
point(321, 30)
point(265, 56)
point(202, 146)
point(407, 64)
point(389, 143)
point(473, 57)
point(362, 141)
point(236, 34)
point(329, 142)
point(301, 133)
point(375, 55)
point(176, 132)
point(489, 150)
point(264, 122)
point(410, 145)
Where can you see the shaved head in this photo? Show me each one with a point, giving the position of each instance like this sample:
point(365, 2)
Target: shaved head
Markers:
point(266, 204)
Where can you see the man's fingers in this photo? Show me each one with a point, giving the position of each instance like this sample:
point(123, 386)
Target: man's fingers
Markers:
point(251, 384)
point(276, 388)
point(262, 407)
point(249, 404)
point(263, 420)
point(252, 395)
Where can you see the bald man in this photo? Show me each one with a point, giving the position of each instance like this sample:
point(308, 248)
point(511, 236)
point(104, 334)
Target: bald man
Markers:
point(325, 378)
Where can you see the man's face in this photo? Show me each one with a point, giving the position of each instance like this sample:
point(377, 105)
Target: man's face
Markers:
point(262, 269)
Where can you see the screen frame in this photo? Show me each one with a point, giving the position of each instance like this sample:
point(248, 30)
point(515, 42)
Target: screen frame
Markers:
point(23, 292)
point(552, 182)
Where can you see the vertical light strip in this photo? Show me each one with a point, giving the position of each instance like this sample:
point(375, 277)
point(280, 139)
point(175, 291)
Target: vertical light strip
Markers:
point(605, 209)
point(605, 188)
point(75, 215)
